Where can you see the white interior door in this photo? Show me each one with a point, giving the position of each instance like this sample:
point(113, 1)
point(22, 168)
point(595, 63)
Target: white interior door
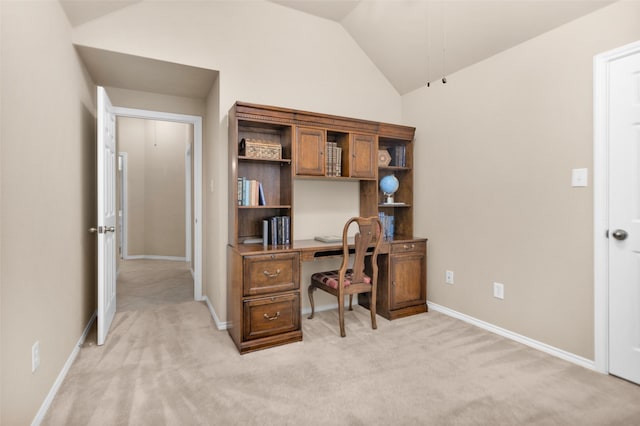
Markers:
point(107, 214)
point(624, 217)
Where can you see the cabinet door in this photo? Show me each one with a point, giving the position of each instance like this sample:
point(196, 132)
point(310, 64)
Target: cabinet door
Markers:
point(407, 280)
point(309, 153)
point(363, 161)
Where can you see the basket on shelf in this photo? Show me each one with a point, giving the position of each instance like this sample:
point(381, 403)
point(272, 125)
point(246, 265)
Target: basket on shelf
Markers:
point(261, 149)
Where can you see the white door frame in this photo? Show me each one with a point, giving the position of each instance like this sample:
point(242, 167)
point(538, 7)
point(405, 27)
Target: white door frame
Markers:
point(187, 203)
point(601, 199)
point(197, 180)
point(124, 194)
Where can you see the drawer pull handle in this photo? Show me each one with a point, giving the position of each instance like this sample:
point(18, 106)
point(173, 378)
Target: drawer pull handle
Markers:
point(276, 316)
point(270, 275)
point(407, 247)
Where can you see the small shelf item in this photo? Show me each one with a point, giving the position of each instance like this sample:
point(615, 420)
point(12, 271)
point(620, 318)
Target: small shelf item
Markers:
point(384, 158)
point(260, 149)
point(389, 185)
point(328, 238)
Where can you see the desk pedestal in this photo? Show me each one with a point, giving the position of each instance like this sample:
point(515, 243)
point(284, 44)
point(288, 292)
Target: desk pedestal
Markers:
point(402, 280)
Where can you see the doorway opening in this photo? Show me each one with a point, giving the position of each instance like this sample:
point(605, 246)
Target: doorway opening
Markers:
point(154, 209)
point(166, 191)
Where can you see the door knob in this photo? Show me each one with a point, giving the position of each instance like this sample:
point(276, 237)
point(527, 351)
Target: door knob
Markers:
point(103, 229)
point(620, 234)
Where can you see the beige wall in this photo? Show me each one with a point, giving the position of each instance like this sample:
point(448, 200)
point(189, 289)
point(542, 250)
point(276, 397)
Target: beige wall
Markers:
point(262, 63)
point(48, 202)
point(495, 148)
point(155, 185)
point(214, 179)
point(137, 99)
point(1, 221)
point(498, 142)
point(131, 138)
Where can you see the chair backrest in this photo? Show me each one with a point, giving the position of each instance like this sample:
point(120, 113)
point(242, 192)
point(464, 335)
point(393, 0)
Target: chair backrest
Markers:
point(369, 235)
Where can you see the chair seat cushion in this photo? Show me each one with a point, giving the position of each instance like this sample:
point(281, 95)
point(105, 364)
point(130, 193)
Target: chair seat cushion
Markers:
point(331, 278)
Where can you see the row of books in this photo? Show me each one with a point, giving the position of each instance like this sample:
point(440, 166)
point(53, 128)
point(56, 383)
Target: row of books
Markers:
point(398, 156)
point(250, 192)
point(334, 160)
point(276, 230)
point(387, 225)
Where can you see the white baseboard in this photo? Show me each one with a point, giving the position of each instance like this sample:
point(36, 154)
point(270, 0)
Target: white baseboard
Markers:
point(63, 373)
point(551, 350)
point(220, 325)
point(155, 257)
point(328, 307)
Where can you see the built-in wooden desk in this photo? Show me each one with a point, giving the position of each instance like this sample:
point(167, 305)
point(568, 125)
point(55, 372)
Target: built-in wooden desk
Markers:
point(268, 291)
point(270, 149)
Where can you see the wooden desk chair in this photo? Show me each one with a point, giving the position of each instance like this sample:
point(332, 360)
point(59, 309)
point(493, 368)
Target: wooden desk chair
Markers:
point(350, 281)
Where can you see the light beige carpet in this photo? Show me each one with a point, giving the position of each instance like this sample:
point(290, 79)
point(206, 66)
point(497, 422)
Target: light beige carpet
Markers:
point(168, 365)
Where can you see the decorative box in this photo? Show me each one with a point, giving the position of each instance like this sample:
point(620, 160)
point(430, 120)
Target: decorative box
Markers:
point(261, 149)
point(384, 158)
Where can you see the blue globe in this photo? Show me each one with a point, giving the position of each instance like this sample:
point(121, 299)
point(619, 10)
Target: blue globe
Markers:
point(389, 184)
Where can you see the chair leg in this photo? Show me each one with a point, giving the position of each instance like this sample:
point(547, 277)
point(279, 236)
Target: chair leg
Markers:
point(341, 314)
point(311, 289)
point(372, 309)
point(351, 302)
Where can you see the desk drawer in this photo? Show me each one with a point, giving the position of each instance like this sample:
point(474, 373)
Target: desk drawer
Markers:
point(271, 273)
point(408, 247)
point(271, 315)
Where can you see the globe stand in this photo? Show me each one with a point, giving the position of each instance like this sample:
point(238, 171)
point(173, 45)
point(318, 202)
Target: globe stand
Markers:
point(388, 198)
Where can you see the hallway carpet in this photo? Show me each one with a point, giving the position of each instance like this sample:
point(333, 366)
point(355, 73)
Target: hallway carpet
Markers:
point(166, 364)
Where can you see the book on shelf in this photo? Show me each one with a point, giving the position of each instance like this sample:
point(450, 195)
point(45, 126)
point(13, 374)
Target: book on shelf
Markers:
point(387, 225)
point(286, 220)
point(398, 156)
point(246, 192)
point(333, 166)
point(240, 190)
point(254, 193)
point(277, 230)
point(261, 201)
point(265, 232)
point(250, 192)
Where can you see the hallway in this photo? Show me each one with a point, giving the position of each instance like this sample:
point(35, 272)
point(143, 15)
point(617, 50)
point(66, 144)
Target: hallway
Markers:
point(145, 284)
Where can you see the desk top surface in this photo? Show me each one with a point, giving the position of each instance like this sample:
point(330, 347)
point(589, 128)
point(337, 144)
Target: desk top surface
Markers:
point(311, 249)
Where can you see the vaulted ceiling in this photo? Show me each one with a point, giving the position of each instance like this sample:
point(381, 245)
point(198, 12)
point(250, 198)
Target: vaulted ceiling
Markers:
point(415, 41)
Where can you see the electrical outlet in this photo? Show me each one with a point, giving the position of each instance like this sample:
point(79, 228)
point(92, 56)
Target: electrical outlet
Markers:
point(498, 290)
point(35, 356)
point(448, 277)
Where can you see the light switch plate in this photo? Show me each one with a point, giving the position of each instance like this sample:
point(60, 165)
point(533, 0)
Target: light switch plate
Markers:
point(579, 177)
